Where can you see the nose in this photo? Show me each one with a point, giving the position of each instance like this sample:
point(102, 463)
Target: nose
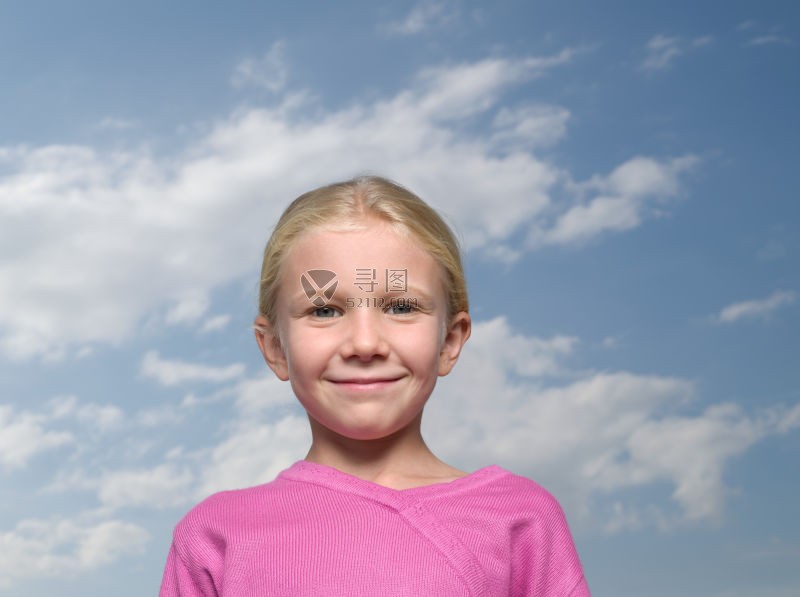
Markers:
point(365, 338)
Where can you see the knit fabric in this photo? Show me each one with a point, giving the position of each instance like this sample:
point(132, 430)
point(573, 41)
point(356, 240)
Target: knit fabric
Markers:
point(315, 531)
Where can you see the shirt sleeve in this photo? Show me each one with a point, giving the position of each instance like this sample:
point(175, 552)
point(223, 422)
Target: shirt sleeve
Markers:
point(179, 581)
point(581, 589)
point(545, 562)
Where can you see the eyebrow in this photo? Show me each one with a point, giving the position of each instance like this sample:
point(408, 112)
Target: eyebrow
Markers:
point(414, 290)
point(379, 289)
point(411, 290)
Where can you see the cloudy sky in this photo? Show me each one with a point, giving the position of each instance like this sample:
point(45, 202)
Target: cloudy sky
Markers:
point(624, 179)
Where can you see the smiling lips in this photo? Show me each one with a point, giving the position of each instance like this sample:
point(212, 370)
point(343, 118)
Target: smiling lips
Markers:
point(364, 384)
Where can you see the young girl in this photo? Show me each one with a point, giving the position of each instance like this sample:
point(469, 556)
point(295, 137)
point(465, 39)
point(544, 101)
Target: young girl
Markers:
point(363, 304)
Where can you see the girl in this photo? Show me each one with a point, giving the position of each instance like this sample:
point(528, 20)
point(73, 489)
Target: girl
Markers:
point(363, 304)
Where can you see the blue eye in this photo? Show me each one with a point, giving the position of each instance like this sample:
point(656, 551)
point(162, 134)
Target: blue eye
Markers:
point(326, 312)
point(402, 307)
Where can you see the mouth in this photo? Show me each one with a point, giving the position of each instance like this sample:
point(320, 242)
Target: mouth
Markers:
point(360, 384)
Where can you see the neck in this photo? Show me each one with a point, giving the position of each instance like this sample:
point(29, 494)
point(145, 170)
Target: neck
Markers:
point(400, 461)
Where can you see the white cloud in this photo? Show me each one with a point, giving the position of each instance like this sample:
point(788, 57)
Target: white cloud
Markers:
point(188, 310)
point(155, 417)
point(642, 177)
point(764, 40)
point(426, 14)
point(269, 72)
point(168, 484)
point(269, 432)
point(530, 126)
point(163, 486)
point(661, 50)
point(108, 541)
point(38, 548)
point(101, 416)
point(522, 355)
point(593, 437)
point(761, 35)
point(262, 394)
point(454, 92)
point(610, 342)
point(759, 308)
point(170, 373)
point(24, 435)
point(215, 324)
point(582, 222)
point(137, 244)
point(632, 192)
point(255, 452)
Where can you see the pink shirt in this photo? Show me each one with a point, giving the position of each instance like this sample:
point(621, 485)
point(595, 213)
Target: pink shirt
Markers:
point(318, 531)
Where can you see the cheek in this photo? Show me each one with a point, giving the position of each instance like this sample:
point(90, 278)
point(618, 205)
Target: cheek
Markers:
point(308, 354)
point(424, 350)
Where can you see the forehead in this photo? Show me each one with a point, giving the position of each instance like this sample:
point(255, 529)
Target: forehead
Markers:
point(373, 251)
point(377, 241)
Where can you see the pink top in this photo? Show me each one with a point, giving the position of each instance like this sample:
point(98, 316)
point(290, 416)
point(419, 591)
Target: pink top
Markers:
point(317, 531)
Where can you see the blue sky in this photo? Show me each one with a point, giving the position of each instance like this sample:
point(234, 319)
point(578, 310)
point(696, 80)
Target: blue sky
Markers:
point(622, 174)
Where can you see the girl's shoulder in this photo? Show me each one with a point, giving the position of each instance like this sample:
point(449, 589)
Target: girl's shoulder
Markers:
point(494, 482)
point(498, 492)
point(231, 508)
point(503, 513)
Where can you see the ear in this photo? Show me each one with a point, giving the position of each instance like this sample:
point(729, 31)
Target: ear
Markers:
point(457, 333)
point(270, 346)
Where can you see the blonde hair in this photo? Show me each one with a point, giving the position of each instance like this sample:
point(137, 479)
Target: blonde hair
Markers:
point(350, 204)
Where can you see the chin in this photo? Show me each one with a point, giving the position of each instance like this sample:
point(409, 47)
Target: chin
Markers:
point(368, 432)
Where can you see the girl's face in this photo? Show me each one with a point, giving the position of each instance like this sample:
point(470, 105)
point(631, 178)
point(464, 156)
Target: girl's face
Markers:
point(363, 360)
